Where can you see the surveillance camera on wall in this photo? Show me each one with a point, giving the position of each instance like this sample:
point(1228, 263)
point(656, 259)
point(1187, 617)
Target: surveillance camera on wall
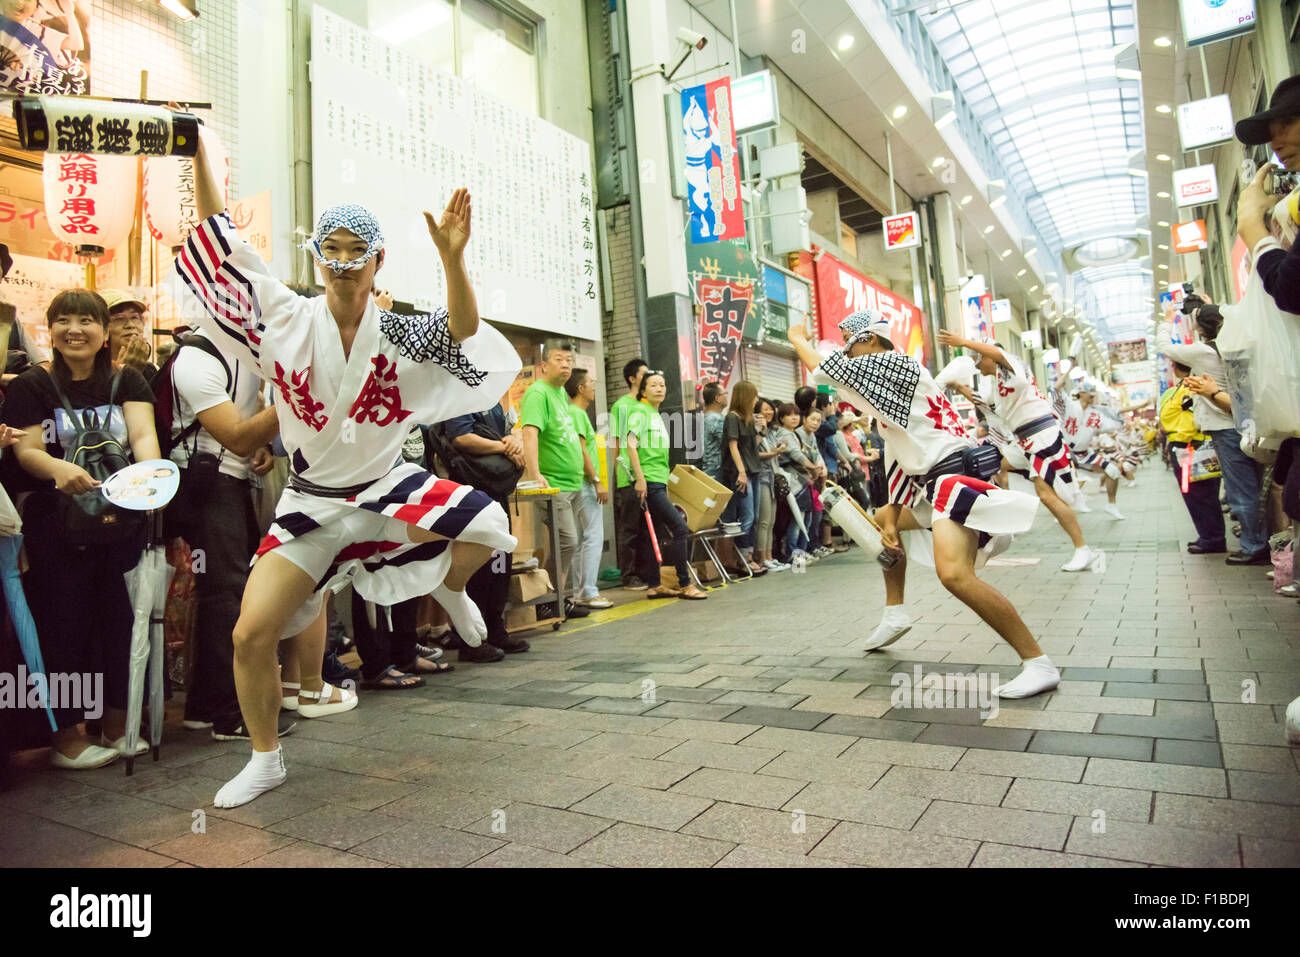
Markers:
point(692, 38)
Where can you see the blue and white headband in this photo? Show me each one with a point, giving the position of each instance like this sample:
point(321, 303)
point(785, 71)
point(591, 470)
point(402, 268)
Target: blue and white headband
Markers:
point(356, 219)
point(862, 325)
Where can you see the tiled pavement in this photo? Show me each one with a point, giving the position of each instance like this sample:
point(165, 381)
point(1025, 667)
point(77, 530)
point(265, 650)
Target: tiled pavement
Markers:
point(749, 731)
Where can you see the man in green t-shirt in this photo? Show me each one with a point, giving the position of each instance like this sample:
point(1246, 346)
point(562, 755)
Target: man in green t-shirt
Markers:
point(627, 509)
point(553, 452)
point(590, 511)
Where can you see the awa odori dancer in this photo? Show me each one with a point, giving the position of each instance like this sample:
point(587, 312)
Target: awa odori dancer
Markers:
point(1083, 425)
point(925, 438)
point(351, 379)
point(1011, 395)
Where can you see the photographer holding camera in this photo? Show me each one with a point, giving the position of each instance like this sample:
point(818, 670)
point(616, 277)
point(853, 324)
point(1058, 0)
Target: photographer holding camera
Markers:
point(1279, 127)
point(1241, 474)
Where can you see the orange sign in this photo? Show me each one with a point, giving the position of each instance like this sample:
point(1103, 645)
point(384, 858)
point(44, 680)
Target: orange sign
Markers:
point(1189, 237)
point(252, 219)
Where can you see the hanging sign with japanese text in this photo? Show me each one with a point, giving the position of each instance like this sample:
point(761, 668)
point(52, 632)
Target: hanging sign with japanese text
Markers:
point(1189, 237)
point(902, 231)
point(842, 290)
point(72, 124)
point(724, 307)
point(1195, 185)
point(712, 163)
point(89, 200)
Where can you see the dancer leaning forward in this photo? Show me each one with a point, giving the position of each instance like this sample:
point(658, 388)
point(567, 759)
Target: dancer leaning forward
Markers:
point(924, 437)
point(1016, 401)
point(351, 380)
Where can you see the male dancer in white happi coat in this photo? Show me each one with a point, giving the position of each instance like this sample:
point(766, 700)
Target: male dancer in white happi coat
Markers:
point(1014, 399)
point(351, 379)
point(923, 435)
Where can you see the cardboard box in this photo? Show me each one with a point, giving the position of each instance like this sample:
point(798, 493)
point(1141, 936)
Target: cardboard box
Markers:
point(520, 618)
point(529, 586)
point(522, 527)
point(706, 572)
point(698, 496)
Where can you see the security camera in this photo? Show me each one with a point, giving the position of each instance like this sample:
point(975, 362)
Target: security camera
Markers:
point(692, 38)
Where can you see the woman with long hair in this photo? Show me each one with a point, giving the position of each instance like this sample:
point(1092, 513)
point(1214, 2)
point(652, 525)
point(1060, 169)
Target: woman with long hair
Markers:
point(647, 460)
point(765, 500)
point(77, 594)
point(740, 466)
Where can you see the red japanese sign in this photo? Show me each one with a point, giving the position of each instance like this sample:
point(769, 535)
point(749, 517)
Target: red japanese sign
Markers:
point(1190, 236)
point(712, 162)
point(842, 290)
point(723, 308)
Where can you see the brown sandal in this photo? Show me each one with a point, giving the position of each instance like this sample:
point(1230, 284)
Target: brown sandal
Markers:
point(660, 591)
point(698, 596)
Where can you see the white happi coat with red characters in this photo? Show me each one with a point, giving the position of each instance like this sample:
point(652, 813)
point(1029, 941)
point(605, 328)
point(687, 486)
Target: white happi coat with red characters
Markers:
point(343, 419)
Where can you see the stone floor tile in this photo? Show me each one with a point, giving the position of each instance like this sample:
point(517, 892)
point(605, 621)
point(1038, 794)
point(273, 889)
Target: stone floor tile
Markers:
point(759, 827)
point(872, 727)
point(336, 826)
point(693, 709)
point(1006, 855)
point(828, 770)
point(781, 718)
point(849, 803)
point(711, 754)
point(1004, 739)
point(723, 732)
point(630, 845)
point(1204, 754)
point(224, 844)
point(739, 787)
point(746, 855)
point(1208, 782)
point(427, 845)
point(1230, 816)
point(1100, 704)
point(542, 827)
point(1014, 764)
point(646, 806)
point(998, 824)
point(306, 854)
point(523, 856)
point(1081, 800)
point(802, 742)
point(30, 841)
point(640, 772)
point(1253, 757)
point(614, 742)
point(1186, 729)
point(1264, 852)
point(1093, 745)
point(1077, 721)
point(1281, 788)
point(875, 846)
point(1154, 844)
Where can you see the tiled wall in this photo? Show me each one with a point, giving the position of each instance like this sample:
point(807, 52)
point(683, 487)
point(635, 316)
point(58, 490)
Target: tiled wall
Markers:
point(196, 61)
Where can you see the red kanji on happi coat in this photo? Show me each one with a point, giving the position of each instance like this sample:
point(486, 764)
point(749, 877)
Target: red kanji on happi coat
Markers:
point(944, 416)
point(380, 402)
point(298, 396)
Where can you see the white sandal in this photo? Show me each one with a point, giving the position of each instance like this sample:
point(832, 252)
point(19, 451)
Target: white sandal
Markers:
point(287, 702)
point(326, 707)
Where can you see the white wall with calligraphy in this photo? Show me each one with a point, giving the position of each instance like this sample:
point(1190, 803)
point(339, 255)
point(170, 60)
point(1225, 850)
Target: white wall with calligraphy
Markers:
point(399, 136)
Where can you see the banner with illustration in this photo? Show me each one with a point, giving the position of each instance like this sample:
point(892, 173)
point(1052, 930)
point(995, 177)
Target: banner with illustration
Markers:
point(724, 306)
point(45, 47)
point(712, 163)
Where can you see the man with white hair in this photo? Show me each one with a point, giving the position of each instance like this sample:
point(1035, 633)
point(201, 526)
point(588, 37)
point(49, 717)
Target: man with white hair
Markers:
point(926, 441)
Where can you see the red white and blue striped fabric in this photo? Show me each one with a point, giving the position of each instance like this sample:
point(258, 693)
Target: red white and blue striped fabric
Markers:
point(980, 506)
point(1049, 460)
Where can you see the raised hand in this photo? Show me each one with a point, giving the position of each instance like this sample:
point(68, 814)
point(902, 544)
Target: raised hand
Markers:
point(947, 337)
point(451, 233)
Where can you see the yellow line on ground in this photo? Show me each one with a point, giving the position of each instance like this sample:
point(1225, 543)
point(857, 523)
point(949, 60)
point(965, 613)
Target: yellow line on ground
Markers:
point(618, 613)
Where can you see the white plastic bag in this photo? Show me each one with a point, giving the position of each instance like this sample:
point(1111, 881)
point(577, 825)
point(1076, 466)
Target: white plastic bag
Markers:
point(1260, 346)
point(10, 523)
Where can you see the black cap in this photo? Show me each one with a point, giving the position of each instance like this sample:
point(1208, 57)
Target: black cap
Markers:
point(1285, 105)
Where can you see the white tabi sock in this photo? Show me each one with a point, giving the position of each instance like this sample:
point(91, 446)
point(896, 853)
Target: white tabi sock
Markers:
point(894, 624)
point(1114, 512)
point(1037, 676)
point(1081, 560)
point(464, 614)
point(264, 771)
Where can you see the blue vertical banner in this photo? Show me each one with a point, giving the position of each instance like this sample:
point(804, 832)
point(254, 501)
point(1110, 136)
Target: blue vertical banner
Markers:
point(712, 163)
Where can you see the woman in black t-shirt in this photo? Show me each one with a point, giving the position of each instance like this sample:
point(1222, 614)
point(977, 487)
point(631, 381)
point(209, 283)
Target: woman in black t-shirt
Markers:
point(77, 595)
point(740, 466)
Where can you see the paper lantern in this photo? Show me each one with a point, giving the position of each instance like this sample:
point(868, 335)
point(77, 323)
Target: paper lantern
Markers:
point(170, 209)
point(89, 200)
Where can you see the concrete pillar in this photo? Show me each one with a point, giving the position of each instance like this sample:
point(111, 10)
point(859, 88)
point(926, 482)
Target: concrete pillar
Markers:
point(944, 246)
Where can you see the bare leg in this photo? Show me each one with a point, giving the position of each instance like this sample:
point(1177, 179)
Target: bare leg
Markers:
point(1111, 487)
point(1062, 512)
point(276, 589)
point(954, 558)
point(466, 559)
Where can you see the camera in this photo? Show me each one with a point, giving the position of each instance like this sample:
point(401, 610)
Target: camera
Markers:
point(1191, 301)
point(692, 38)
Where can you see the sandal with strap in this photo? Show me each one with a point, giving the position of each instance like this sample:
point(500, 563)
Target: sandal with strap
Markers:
point(324, 706)
point(289, 702)
point(438, 667)
point(393, 680)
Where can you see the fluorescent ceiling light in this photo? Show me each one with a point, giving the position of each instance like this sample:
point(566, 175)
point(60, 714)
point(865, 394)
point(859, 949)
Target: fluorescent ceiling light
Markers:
point(1162, 246)
point(1162, 266)
point(182, 9)
point(1126, 74)
point(845, 42)
point(1006, 253)
point(1162, 41)
point(1143, 231)
point(1162, 223)
point(938, 161)
point(1034, 288)
point(1138, 172)
point(1021, 273)
point(1164, 108)
point(900, 111)
point(987, 230)
point(1162, 195)
point(966, 199)
point(1163, 157)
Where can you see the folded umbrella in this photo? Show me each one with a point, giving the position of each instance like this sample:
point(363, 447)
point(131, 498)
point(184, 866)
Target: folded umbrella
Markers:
point(20, 614)
point(144, 584)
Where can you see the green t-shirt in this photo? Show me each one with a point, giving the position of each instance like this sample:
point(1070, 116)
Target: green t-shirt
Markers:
point(559, 456)
point(582, 425)
point(651, 442)
point(618, 414)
